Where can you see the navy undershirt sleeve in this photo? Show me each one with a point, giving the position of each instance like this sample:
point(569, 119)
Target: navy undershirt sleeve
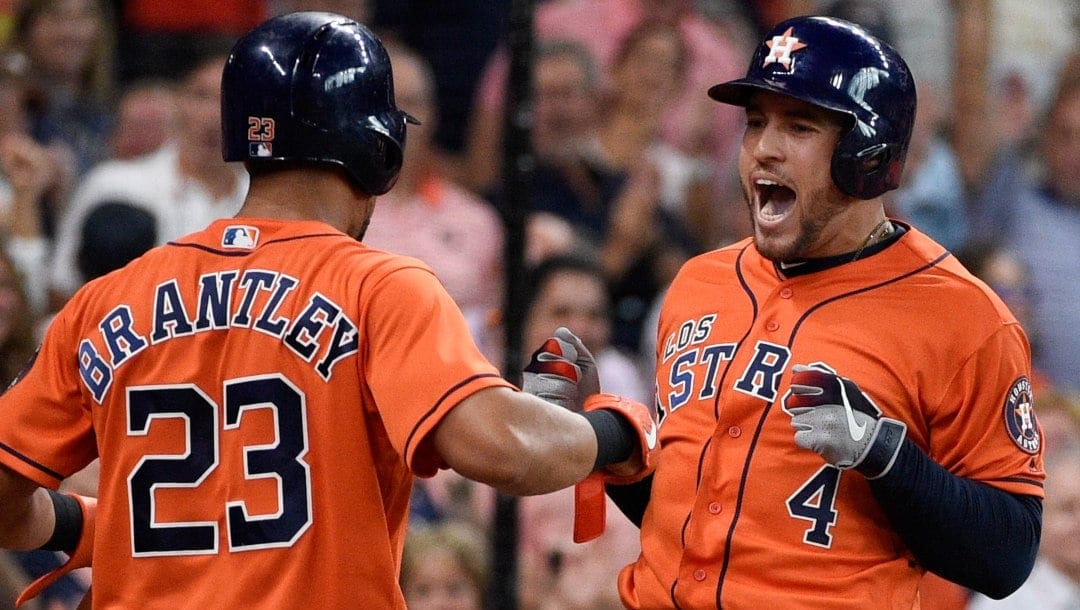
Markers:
point(965, 531)
point(632, 499)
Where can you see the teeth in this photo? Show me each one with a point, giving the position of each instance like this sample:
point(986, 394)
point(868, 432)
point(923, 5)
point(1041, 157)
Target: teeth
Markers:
point(764, 182)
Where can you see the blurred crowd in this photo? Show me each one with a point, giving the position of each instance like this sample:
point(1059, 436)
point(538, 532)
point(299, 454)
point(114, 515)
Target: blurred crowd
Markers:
point(110, 144)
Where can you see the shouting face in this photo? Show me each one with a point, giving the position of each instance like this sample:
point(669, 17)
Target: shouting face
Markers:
point(784, 166)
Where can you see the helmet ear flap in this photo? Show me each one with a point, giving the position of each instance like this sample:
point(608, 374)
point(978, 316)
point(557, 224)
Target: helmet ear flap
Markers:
point(377, 170)
point(868, 172)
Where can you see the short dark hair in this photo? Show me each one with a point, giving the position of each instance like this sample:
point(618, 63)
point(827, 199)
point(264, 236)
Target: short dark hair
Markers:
point(114, 233)
point(539, 274)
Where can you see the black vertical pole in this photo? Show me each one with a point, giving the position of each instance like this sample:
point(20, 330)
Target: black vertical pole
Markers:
point(514, 207)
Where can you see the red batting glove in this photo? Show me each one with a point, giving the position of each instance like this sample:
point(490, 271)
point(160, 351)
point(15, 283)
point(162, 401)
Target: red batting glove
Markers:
point(80, 557)
point(590, 505)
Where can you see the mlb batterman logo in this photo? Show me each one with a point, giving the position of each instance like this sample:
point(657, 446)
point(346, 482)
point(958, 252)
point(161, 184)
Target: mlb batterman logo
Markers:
point(1020, 420)
point(240, 237)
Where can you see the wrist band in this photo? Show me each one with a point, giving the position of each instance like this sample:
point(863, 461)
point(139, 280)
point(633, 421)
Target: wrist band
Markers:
point(615, 437)
point(69, 523)
point(884, 445)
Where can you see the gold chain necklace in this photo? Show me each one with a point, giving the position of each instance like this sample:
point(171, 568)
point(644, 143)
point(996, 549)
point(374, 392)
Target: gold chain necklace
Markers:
point(886, 229)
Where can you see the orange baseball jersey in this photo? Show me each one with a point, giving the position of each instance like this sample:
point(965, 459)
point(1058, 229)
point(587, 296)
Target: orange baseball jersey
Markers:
point(740, 516)
point(260, 394)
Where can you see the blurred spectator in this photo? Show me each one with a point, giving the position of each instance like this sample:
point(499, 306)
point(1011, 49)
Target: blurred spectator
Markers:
point(666, 210)
point(456, 38)
point(931, 196)
point(146, 116)
point(157, 38)
point(29, 176)
point(712, 56)
point(647, 73)
point(1059, 418)
point(428, 216)
point(1054, 583)
point(1037, 217)
point(114, 233)
point(568, 181)
point(613, 211)
point(999, 266)
point(184, 185)
point(67, 47)
point(17, 322)
point(444, 566)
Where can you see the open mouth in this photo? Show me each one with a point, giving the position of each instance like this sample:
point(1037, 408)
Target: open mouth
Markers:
point(774, 200)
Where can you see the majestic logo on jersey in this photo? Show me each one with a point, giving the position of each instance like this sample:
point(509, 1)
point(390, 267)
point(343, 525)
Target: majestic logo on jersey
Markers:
point(780, 50)
point(1020, 420)
point(240, 237)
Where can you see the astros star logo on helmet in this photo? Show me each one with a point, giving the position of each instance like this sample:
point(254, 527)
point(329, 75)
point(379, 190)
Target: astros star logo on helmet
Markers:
point(780, 50)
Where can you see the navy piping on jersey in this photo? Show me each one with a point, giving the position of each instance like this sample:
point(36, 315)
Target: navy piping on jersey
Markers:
point(439, 402)
point(809, 267)
point(247, 252)
point(1038, 484)
point(27, 460)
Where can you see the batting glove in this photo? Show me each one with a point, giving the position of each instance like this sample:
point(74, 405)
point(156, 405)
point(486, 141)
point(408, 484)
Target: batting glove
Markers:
point(80, 557)
point(835, 419)
point(562, 371)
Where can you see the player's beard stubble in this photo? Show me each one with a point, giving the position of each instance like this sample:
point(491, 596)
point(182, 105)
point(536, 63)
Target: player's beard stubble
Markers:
point(813, 213)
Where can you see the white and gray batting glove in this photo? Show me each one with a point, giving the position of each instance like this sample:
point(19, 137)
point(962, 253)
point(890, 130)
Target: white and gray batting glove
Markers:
point(835, 419)
point(562, 371)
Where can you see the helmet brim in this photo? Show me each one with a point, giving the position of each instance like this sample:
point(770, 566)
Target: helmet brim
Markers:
point(738, 93)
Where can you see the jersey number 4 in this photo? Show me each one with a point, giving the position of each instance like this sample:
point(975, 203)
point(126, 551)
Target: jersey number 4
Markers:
point(281, 460)
point(815, 502)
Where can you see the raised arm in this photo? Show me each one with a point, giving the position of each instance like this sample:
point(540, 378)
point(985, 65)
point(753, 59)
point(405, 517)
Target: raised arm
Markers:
point(975, 128)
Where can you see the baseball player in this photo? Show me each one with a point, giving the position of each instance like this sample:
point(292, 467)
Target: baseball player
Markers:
point(843, 406)
point(262, 392)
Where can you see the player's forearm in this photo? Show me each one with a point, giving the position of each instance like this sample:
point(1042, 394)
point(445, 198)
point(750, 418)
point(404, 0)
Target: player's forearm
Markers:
point(978, 536)
point(516, 442)
point(26, 513)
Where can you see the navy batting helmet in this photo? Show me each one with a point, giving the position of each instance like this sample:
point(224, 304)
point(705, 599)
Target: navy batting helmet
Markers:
point(837, 65)
point(313, 86)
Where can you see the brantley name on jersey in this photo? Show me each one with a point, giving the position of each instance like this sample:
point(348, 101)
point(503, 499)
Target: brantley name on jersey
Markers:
point(320, 334)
